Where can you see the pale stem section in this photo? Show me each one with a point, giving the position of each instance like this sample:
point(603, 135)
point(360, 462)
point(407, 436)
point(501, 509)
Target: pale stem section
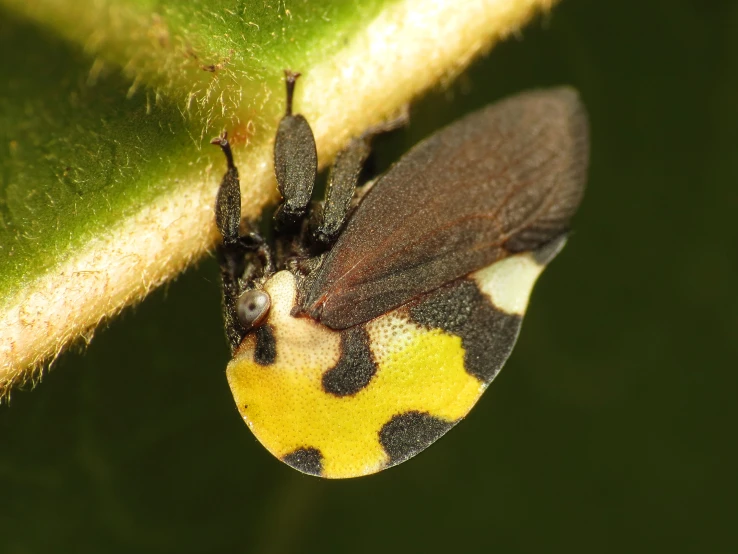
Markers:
point(407, 49)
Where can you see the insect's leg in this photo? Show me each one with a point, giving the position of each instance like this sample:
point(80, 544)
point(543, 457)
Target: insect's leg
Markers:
point(342, 180)
point(236, 252)
point(326, 225)
point(295, 164)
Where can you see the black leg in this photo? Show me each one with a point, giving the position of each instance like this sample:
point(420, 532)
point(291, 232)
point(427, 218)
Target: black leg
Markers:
point(295, 164)
point(327, 223)
point(342, 181)
point(237, 254)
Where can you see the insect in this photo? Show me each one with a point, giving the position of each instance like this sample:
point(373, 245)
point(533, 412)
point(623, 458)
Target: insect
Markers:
point(373, 321)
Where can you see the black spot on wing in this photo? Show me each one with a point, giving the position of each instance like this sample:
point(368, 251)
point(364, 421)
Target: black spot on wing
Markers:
point(308, 460)
point(266, 346)
point(405, 435)
point(355, 367)
point(487, 334)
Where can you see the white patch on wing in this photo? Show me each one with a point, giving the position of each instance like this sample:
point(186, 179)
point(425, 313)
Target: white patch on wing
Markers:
point(509, 282)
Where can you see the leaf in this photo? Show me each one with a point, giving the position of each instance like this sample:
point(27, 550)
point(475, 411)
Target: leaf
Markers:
point(107, 106)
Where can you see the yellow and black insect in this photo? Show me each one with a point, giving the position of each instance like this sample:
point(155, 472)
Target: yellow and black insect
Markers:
point(370, 326)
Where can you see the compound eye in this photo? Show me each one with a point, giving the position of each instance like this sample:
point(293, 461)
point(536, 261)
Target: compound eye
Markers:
point(252, 307)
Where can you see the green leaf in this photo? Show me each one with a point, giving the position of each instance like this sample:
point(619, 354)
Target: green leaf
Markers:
point(106, 108)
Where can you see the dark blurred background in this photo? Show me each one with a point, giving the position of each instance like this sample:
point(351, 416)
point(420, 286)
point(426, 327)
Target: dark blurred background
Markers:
point(611, 429)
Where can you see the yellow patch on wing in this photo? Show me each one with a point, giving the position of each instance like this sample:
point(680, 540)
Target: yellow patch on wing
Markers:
point(509, 282)
point(286, 407)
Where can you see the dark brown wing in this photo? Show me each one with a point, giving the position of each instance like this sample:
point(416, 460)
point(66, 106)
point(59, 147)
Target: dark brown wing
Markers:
point(505, 179)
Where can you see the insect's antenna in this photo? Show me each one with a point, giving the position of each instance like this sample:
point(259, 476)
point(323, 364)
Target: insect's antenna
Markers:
point(290, 79)
point(222, 141)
